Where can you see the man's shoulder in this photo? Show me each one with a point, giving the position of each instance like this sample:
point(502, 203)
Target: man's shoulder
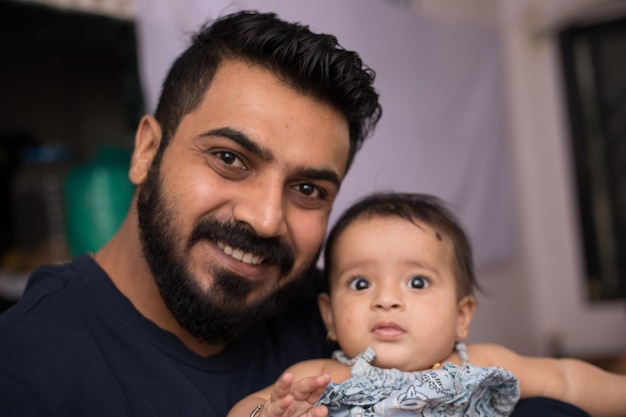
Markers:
point(47, 343)
point(50, 315)
point(47, 294)
point(54, 338)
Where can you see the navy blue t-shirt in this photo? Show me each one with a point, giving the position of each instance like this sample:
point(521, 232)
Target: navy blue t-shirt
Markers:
point(75, 346)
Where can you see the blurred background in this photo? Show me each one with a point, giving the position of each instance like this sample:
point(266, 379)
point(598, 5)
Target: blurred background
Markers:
point(513, 111)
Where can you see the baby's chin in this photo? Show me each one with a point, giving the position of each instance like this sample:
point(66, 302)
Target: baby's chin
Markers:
point(392, 359)
point(395, 364)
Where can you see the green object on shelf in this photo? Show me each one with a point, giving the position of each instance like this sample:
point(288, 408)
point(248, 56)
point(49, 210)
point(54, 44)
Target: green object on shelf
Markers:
point(97, 196)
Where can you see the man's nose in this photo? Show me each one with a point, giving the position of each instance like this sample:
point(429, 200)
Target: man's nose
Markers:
point(263, 209)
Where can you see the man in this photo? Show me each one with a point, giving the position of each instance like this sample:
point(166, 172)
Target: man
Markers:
point(204, 294)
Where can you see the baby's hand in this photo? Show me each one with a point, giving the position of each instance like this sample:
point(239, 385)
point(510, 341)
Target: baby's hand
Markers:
point(295, 399)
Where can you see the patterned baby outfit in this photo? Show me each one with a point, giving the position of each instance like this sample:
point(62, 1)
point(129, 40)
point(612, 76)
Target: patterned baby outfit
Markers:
point(451, 390)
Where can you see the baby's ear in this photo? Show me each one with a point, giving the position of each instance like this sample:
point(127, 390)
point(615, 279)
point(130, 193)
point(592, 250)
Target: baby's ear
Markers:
point(326, 312)
point(466, 308)
point(147, 140)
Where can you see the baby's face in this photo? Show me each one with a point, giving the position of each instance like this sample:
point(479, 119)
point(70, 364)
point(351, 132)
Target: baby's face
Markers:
point(393, 288)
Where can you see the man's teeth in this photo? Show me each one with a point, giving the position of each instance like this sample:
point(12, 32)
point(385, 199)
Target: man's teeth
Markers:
point(240, 255)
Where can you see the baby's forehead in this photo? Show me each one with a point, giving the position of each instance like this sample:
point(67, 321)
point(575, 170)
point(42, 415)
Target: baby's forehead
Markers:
point(419, 222)
point(411, 240)
point(378, 225)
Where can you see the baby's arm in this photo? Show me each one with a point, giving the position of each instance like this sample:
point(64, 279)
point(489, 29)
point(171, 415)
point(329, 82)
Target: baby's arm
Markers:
point(293, 394)
point(598, 392)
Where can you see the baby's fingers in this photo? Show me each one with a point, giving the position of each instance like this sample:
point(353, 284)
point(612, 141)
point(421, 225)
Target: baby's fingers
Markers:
point(291, 398)
point(310, 389)
point(280, 408)
point(282, 387)
point(319, 411)
point(287, 407)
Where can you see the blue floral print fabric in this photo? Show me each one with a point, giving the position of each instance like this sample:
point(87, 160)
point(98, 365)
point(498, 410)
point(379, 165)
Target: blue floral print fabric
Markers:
point(451, 390)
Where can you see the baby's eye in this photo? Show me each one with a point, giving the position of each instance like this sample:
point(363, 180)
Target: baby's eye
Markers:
point(359, 283)
point(418, 282)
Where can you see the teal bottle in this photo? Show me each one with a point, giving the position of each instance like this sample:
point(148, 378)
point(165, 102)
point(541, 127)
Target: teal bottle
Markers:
point(97, 195)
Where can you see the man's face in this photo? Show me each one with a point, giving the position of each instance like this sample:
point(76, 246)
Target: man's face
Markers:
point(234, 209)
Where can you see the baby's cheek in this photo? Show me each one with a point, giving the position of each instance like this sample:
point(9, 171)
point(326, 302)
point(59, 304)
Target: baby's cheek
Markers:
point(350, 319)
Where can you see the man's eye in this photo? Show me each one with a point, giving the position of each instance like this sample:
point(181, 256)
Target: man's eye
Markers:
point(359, 284)
point(310, 196)
point(230, 158)
point(418, 282)
point(310, 190)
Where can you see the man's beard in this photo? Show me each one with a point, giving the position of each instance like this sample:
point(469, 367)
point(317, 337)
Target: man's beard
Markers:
point(220, 314)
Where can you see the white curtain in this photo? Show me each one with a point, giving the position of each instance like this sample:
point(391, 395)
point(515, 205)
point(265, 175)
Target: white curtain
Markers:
point(443, 129)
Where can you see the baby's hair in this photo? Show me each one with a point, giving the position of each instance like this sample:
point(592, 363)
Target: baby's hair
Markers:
point(415, 208)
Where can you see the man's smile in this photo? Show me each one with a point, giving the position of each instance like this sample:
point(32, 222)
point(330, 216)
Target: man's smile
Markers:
point(240, 255)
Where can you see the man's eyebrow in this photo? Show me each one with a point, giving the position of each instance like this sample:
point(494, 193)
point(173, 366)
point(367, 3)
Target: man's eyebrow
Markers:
point(242, 140)
point(245, 142)
point(321, 174)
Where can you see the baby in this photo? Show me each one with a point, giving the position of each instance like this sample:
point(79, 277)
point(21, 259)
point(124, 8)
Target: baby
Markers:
point(399, 302)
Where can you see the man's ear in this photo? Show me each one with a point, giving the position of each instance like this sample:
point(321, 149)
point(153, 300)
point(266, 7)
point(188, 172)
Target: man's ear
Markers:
point(326, 312)
point(466, 308)
point(147, 140)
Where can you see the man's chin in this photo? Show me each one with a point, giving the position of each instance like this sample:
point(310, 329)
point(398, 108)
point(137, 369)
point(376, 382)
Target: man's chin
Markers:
point(232, 316)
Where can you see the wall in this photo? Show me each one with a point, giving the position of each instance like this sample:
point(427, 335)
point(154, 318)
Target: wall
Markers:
point(537, 302)
point(550, 258)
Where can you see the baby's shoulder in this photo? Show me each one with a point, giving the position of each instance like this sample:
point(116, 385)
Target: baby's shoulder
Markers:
point(338, 371)
point(489, 354)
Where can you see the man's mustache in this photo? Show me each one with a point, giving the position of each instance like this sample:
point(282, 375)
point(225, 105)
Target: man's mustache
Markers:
point(242, 237)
